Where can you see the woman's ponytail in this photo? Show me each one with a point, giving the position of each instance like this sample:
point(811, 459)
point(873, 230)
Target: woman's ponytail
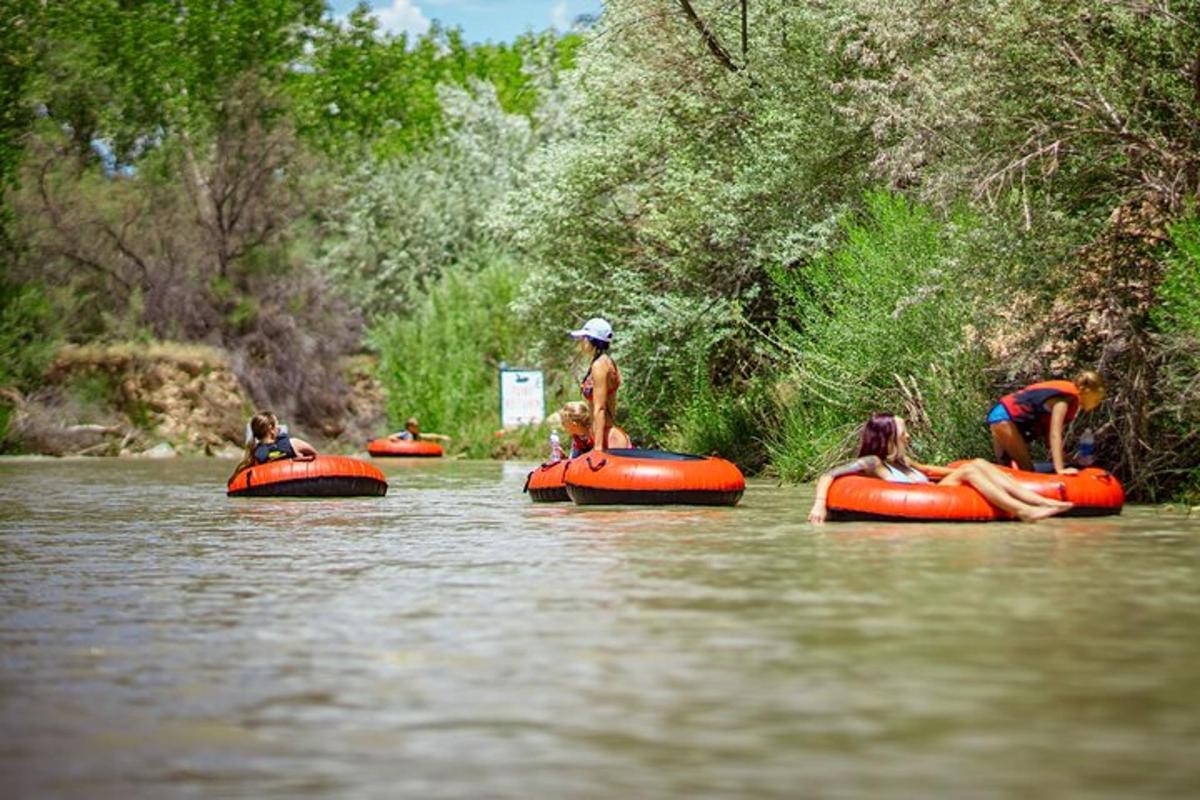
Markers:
point(260, 425)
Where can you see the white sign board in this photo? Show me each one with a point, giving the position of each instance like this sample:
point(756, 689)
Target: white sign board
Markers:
point(522, 397)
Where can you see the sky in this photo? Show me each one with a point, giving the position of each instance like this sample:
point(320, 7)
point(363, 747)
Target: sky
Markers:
point(480, 20)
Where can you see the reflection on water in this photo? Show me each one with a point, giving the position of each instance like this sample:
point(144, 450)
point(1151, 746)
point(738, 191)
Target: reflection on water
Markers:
point(454, 640)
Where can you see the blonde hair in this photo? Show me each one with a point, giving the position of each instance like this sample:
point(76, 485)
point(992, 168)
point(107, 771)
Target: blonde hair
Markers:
point(260, 425)
point(1090, 381)
point(578, 412)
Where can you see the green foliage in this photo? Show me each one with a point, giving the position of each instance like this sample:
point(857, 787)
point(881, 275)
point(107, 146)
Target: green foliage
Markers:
point(18, 25)
point(1176, 424)
point(1072, 103)
point(28, 338)
point(882, 323)
point(682, 185)
point(135, 72)
point(404, 222)
point(1179, 292)
point(360, 89)
point(28, 334)
point(440, 360)
point(728, 421)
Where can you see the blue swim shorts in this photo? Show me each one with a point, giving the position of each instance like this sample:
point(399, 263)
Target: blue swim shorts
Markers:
point(998, 414)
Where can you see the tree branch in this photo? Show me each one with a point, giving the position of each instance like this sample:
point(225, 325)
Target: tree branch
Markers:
point(710, 39)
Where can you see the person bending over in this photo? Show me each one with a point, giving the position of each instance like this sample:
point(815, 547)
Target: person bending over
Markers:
point(1041, 411)
point(883, 454)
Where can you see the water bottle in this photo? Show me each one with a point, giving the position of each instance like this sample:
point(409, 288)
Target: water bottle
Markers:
point(556, 451)
point(1086, 454)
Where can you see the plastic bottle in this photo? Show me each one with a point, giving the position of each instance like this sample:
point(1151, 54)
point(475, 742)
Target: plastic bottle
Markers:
point(556, 450)
point(1086, 454)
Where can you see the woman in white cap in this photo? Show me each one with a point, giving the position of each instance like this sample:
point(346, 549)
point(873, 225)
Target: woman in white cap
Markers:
point(602, 380)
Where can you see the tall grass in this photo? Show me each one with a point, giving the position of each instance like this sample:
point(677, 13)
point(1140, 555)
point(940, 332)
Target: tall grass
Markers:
point(726, 421)
point(440, 362)
point(881, 323)
point(1176, 426)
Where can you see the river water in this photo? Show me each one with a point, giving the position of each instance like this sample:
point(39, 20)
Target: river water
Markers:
point(452, 640)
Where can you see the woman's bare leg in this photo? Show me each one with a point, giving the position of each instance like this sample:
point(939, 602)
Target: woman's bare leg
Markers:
point(1014, 487)
point(1007, 440)
point(980, 482)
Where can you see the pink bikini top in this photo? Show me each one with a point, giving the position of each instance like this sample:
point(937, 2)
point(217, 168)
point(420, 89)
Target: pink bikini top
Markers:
point(588, 384)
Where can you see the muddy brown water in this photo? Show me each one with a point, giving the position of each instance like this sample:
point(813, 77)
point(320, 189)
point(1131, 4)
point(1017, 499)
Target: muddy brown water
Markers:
point(451, 640)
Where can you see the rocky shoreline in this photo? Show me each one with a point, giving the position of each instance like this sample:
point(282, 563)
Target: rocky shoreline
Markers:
point(154, 400)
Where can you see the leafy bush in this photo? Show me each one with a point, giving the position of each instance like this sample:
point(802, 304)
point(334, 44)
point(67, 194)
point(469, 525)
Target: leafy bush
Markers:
point(203, 243)
point(404, 223)
point(1179, 292)
point(882, 323)
point(27, 334)
point(1176, 429)
point(730, 421)
point(684, 182)
point(27, 342)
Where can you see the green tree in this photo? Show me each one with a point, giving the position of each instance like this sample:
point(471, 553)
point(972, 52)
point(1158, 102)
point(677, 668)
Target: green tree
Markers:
point(361, 90)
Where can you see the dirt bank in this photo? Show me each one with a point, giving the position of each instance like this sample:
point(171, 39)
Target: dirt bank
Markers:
point(157, 399)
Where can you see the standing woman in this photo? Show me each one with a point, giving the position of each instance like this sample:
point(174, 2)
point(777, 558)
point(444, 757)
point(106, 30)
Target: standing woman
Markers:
point(602, 380)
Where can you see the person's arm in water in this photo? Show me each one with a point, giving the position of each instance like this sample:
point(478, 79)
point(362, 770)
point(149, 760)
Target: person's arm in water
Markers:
point(870, 465)
point(1058, 421)
point(599, 404)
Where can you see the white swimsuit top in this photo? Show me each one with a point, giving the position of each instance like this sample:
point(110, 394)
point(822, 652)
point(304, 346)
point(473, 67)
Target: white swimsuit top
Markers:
point(897, 475)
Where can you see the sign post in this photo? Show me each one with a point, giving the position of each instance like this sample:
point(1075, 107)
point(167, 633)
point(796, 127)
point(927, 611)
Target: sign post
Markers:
point(522, 397)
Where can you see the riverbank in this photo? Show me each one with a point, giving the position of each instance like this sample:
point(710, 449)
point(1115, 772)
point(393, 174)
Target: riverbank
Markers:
point(154, 399)
point(167, 399)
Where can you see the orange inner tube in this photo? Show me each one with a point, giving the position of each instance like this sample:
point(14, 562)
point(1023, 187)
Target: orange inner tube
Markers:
point(654, 477)
point(856, 497)
point(323, 476)
point(1094, 491)
point(403, 448)
point(546, 483)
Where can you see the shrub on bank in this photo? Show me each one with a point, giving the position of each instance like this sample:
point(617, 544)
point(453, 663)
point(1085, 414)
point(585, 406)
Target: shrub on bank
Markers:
point(26, 345)
point(1177, 319)
point(440, 361)
point(881, 323)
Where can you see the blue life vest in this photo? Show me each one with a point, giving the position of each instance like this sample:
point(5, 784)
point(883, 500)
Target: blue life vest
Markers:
point(265, 452)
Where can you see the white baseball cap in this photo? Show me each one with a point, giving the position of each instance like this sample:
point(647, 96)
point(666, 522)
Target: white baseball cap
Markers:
point(595, 328)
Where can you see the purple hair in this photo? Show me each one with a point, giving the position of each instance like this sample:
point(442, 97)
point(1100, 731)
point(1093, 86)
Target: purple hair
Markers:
point(878, 436)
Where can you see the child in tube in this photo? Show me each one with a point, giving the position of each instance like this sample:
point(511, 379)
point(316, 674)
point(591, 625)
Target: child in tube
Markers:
point(270, 442)
point(577, 420)
point(412, 433)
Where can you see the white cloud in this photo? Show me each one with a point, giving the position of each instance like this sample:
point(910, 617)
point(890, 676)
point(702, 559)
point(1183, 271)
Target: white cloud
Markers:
point(558, 16)
point(402, 16)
